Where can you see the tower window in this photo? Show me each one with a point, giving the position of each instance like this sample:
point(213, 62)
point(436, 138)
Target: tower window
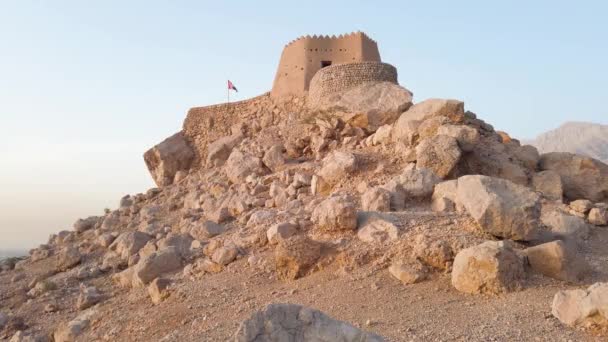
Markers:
point(325, 64)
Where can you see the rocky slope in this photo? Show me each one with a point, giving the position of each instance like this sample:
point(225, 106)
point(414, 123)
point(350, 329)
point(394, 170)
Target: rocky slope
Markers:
point(406, 221)
point(583, 138)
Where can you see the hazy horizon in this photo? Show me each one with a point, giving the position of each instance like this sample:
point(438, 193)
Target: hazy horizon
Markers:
point(87, 88)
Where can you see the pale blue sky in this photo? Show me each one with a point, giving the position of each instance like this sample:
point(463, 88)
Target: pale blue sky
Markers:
point(86, 87)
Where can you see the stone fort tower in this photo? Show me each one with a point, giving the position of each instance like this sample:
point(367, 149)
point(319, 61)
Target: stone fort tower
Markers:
point(303, 57)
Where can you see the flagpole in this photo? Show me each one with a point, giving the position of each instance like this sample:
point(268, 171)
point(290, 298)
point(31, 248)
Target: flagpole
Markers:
point(228, 92)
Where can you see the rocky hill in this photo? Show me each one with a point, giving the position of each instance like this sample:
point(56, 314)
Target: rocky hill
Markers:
point(362, 217)
point(582, 138)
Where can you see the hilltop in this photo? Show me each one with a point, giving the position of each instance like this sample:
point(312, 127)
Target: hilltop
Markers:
point(340, 210)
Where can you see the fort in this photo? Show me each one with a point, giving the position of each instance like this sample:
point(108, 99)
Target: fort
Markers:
point(310, 68)
point(303, 57)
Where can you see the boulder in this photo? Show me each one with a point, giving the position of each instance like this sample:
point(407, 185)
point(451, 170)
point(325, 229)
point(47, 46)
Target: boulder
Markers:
point(158, 290)
point(71, 331)
point(206, 230)
point(224, 255)
point(280, 231)
point(565, 226)
point(335, 213)
point(433, 252)
point(129, 243)
point(582, 307)
point(181, 243)
point(408, 274)
point(500, 207)
point(466, 136)
point(556, 260)
point(22, 336)
point(581, 206)
point(219, 150)
point(106, 239)
point(240, 165)
point(376, 199)
point(294, 257)
point(261, 217)
point(369, 105)
point(413, 183)
point(452, 109)
point(273, 157)
point(337, 166)
point(549, 183)
point(491, 267)
point(439, 153)
point(89, 296)
point(598, 216)
point(68, 258)
point(155, 265)
point(444, 196)
point(167, 158)
point(82, 225)
point(376, 227)
point(582, 177)
point(297, 323)
point(382, 135)
point(405, 131)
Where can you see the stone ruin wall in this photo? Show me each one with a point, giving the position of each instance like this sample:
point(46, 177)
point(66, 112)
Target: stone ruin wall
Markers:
point(204, 125)
point(341, 77)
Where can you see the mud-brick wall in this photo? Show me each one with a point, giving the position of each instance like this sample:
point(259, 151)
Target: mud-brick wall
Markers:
point(341, 77)
point(204, 125)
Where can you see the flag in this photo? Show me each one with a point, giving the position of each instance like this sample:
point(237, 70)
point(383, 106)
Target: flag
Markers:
point(231, 86)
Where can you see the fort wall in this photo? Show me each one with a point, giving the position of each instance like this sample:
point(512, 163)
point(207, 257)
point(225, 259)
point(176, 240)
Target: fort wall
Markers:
point(303, 57)
point(204, 125)
point(341, 77)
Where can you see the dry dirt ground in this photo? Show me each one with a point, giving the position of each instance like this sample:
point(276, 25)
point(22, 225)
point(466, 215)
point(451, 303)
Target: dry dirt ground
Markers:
point(362, 292)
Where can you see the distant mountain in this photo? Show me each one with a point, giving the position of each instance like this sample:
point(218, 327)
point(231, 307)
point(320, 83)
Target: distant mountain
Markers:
point(584, 138)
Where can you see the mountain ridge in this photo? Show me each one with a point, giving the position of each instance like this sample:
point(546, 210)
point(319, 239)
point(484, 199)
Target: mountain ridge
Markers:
point(586, 138)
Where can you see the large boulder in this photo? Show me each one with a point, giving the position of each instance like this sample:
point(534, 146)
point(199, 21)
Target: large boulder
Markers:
point(82, 225)
point(582, 177)
point(452, 109)
point(169, 157)
point(413, 183)
point(582, 307)
point(376, 199)
point(219, 150)
point(434, 252)
point(68, 258)
point(500, 207)
point(491, 267)
point(557, 260)
point(129, 243)
point(440, 153)
point(297, 323)
point(444, 196)
point(564, 226)
point(71, 331)
point(240, 165)
point(369, 105)
point(549, 183)
point(294, 257)
point(598, 216)
point(155, 265)
point(466, 136)
point(273, 157)
point(335, 213)
point(377, 227)
point(337, 166)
